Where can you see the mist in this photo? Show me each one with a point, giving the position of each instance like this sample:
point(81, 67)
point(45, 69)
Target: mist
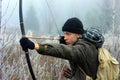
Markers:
point(48, 16)
point(45, 18)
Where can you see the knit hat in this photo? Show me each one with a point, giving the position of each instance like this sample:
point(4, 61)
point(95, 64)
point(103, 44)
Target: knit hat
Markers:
point(73, 25)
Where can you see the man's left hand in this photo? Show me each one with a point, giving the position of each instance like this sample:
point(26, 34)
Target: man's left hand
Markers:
point(26, 44)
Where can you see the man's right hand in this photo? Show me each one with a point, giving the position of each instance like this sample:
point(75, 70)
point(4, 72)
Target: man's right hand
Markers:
point(62, 41)
point(26, 44)
point(66, 72)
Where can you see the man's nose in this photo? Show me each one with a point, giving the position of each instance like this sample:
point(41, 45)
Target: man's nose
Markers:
point(65, 37)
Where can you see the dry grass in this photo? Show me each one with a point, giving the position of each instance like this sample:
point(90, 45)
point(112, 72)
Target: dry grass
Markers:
point(14, 66)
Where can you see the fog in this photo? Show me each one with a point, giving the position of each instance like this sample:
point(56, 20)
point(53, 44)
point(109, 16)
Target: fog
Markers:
point(47, 16)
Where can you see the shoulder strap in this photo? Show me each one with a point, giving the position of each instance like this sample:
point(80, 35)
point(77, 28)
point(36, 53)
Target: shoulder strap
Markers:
point(87, 77)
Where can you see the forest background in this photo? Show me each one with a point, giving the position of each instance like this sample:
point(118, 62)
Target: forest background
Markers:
point(45, 18)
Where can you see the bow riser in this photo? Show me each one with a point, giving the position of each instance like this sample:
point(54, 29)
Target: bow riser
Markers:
point(23, 35)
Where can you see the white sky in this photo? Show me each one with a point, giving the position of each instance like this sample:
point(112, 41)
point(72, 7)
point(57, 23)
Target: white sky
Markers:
point(10, 9)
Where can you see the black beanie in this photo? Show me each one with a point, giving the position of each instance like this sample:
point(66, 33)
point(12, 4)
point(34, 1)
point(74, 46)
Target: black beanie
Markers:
point(73, 25)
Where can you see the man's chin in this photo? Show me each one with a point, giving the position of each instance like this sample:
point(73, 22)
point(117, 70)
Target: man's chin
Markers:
point(67, 43)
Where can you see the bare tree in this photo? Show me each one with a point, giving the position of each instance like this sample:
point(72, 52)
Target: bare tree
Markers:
point(0, 13)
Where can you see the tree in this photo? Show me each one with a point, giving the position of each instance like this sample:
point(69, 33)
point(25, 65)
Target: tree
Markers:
point(31, 21)
point(109, 16)
point(116, 12)
point(0, 13)
point(92, 19)
point(106, 15)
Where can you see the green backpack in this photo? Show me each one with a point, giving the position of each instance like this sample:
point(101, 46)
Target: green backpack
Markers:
point(108, 68)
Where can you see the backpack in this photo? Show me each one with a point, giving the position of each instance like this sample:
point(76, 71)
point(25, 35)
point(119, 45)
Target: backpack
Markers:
point(108, 68)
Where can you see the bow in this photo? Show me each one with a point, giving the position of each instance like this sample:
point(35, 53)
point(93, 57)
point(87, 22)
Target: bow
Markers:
point(23, 35)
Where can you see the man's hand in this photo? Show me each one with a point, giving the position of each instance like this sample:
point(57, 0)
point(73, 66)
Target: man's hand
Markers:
point(26, 44)
point(62, 41)
point(66, 72)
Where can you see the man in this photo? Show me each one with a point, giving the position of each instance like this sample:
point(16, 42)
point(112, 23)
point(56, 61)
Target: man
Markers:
point(82, 55)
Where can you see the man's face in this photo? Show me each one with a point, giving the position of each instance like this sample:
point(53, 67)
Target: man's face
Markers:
point(70, 38)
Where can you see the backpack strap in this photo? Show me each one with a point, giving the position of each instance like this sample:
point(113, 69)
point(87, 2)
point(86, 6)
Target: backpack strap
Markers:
point(87, 77)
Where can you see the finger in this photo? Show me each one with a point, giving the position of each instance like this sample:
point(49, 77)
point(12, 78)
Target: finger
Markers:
point(68, 76)
point(68, 72)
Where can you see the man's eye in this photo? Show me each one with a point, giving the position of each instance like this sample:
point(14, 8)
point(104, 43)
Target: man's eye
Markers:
point(68, 34)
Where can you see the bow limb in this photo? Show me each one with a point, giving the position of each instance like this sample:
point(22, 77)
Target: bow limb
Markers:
point(23, 35)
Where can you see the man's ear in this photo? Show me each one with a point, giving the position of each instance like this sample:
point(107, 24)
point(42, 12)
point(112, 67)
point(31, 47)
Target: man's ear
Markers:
point(79, 35)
